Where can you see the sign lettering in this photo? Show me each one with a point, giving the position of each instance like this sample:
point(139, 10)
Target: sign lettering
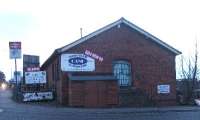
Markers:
point(93, 55)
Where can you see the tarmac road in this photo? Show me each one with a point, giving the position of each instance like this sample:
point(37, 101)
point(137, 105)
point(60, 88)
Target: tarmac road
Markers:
point(10, 110)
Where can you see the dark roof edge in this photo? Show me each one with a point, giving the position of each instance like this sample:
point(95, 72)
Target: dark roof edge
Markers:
point(107, 27)
point(118, 22)
point(55, 53)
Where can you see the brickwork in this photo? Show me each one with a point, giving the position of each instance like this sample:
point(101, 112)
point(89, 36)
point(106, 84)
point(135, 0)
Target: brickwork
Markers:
point(93, 93)
point(151, 65)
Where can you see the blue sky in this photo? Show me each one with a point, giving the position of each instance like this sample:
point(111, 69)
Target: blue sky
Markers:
point(14, 25)
point(44, 25)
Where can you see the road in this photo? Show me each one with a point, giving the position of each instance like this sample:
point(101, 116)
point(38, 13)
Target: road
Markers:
point(10, 110)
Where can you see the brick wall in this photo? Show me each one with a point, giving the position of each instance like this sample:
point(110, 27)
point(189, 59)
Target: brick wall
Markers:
point(151, 63)
point(93, 93)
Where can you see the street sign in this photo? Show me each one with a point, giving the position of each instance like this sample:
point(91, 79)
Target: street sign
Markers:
point(35, 77)
point(77, 62)
point(15, 50)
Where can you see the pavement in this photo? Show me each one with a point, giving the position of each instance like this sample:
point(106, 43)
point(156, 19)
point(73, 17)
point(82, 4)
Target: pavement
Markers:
point(102, 110)
point(10, 110)
point(119, 109)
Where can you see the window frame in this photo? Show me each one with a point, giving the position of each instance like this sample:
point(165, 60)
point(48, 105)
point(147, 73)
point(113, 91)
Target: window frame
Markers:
point(129, 72)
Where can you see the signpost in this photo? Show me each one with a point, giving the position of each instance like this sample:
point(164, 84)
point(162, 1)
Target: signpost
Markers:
point(15, 53)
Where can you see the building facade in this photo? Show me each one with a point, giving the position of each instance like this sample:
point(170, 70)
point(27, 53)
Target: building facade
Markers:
point(131, 68)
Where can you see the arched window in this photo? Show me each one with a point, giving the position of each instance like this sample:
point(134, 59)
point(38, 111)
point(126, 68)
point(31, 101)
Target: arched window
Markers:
point(122, 71)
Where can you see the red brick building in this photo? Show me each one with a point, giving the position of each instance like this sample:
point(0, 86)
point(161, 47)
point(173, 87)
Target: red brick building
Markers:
point(131, 68)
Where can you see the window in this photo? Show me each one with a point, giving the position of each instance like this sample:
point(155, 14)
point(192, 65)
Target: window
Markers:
point(122, 71)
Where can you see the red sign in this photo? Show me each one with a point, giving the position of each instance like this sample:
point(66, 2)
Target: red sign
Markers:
point(32, 69)
point(15, 45)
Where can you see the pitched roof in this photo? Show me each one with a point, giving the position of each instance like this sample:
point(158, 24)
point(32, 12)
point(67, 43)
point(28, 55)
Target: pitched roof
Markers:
point(99, 31)
point(118, 22)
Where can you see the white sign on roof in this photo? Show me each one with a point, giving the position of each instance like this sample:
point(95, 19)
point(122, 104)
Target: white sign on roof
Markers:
point(77, 62)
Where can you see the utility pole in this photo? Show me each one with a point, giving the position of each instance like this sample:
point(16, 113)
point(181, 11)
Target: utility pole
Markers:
point(16, 71)
point(81, 31)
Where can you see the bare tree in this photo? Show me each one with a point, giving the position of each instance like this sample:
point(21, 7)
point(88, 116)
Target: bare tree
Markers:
point(189, 74)
point(2, 76)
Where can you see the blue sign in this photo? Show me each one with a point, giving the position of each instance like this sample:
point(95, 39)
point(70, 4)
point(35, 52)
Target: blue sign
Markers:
point(78, 61)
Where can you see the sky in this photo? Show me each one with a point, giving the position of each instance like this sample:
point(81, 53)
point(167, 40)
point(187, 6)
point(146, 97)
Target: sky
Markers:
point(44, 25)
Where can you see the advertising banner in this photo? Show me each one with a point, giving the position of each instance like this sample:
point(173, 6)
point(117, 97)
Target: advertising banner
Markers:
point(15, 50)
point(31, 63)
point(36, 96)
point(94, 55)
point(77, 62)
point(35, 77)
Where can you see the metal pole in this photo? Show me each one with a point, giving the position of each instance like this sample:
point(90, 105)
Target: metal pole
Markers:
point(16, 86)
point(81, 31)
point(16, 71)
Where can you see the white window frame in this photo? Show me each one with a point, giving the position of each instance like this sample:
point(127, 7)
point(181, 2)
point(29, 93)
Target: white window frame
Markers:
point(122, 80)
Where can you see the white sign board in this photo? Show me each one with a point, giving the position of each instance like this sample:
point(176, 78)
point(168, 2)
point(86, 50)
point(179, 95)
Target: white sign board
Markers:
point(35, 77)
point(15, 50)
point(37, 96)
point(163, 89)
point(77, 62)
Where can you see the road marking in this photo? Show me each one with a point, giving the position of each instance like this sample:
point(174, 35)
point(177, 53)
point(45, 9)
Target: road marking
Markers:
point(1, 110)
